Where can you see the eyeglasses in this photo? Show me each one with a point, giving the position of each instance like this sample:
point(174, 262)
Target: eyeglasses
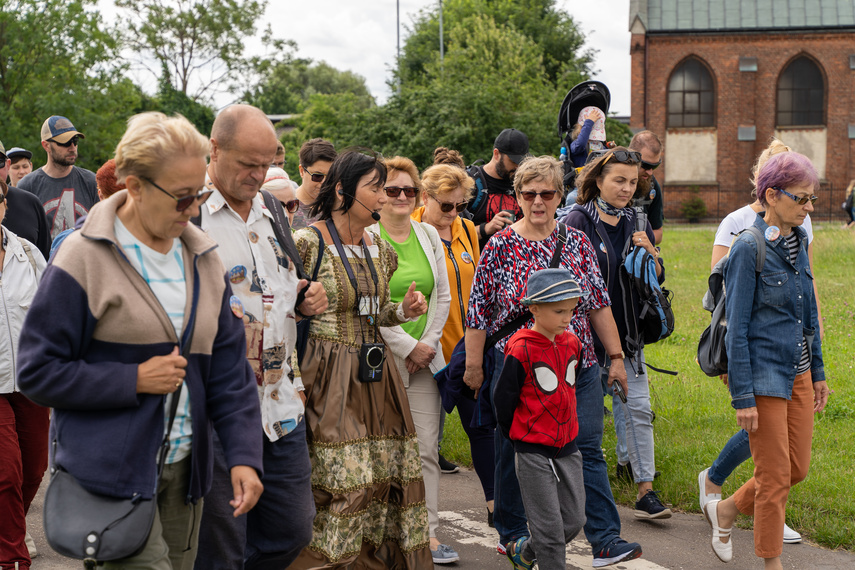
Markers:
point(545, 195)
point(72, 141)
point(395, 191)
point(316, 176)
point(800, 200)
point(446, 207)
point(291, 205)
point(650, 165)
point(624, 156)
point(186, 201)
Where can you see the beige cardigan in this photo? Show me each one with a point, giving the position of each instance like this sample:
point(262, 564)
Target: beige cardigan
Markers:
point(399, 342)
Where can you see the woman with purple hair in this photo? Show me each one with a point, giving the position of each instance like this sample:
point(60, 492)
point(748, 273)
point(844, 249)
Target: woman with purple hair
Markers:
point(775, 367)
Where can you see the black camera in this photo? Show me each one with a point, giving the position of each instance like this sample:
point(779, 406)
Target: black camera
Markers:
point(371, 358)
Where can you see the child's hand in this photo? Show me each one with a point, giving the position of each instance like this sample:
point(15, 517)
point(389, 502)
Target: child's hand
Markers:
point(593, 114)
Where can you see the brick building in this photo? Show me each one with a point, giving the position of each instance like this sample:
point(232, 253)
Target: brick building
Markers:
point(716, 79)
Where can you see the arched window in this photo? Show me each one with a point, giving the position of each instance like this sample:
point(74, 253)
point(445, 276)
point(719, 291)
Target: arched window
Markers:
point(801, 94)
point(691, 96)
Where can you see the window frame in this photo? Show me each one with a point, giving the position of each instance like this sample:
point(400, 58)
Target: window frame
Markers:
point(810, 92)
point(706, 114)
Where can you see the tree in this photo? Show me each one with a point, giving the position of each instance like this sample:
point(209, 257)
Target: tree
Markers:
point(57, 57)
point(200, 42)
point(286, 86)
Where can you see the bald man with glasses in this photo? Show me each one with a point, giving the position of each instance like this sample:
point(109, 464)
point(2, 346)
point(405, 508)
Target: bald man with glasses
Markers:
point(66, 191)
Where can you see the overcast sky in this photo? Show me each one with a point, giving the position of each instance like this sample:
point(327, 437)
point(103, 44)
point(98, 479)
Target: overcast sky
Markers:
point(359, 35)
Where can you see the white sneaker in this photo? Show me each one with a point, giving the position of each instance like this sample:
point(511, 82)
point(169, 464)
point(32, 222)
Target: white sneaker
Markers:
point(703, 497)
point(31, 545)
point(791, 536)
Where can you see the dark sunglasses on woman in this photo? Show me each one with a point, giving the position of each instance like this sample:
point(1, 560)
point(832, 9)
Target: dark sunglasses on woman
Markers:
point(625, 157)
point(185, 202)
point(395, 191)
point(316, 176)
point(446, 207)
point(800, 200)
point(545, 195)
point(291, 205)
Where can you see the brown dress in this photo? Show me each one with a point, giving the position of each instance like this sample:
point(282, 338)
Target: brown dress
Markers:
point(366, 470)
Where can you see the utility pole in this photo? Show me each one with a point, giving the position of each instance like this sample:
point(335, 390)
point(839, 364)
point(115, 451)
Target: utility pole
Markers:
point(441, 45)
point(398, 27)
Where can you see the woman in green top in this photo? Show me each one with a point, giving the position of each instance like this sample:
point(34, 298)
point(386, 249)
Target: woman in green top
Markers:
point(415, 345)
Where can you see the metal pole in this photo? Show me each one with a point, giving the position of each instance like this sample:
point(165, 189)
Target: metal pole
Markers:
point(441, 45)
point(398, 28)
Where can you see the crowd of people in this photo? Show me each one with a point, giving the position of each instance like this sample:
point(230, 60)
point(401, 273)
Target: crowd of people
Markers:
point(311, 338)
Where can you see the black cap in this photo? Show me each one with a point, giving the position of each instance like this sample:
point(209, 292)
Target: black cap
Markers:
point(513, 143)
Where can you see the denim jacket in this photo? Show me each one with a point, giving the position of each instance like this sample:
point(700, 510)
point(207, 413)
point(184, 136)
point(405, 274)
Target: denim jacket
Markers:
point(769, 316)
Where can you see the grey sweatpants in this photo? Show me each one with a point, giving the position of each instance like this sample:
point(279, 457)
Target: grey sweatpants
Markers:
point(553, 493)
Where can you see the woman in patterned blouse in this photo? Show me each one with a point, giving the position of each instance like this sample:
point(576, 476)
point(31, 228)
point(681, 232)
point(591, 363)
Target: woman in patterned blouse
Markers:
point(496, 299)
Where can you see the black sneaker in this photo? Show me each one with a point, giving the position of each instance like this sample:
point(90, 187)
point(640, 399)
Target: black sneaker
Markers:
point(618, 550)
point(649, 507)
point(447, 466)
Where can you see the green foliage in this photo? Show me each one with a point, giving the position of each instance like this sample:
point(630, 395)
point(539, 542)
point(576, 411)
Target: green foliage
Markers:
point(618, 132)
point(286, 86)
point(171, 101)
point(200, 42)
point(695, 207)
point(57, 57)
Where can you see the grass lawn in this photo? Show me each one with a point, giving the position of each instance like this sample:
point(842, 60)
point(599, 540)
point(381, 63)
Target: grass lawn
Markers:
point(694, 418)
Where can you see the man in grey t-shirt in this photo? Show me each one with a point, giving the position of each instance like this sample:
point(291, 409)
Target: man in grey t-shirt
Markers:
point(65, 191)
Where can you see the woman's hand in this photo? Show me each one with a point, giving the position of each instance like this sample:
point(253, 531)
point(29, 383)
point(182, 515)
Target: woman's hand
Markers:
point(474, 377)
point(161, 374)
point(315, 301)
point(499, 221)
point(747, 419)
point(820, 396)
point(421, 356)
point(640, 239)
point(617, 372)
point(247, 488)
point(414, 303)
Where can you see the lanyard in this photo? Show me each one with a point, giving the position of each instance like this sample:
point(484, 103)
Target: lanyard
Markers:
point(350, 276)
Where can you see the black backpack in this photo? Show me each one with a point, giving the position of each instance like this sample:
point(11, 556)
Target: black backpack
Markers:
point(712, 354)
point(479, 200)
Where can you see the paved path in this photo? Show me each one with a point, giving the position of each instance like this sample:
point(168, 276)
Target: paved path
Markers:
point(681, 542)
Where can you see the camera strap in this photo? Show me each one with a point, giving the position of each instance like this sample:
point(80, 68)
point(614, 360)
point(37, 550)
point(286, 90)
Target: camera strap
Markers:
point(350, 275)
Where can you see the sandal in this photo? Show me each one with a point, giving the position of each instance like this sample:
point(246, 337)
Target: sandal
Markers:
point(724, 550)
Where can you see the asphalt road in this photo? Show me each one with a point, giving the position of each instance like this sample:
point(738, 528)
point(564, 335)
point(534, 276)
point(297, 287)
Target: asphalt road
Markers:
point(681, 542)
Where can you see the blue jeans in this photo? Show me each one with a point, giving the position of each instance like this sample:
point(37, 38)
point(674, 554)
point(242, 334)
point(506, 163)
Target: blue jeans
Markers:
point(603, 521)
point(735, 451)
point(276, 530)
point(634, 422)
point(508, 509)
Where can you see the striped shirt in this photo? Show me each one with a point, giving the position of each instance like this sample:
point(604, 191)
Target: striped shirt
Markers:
point(792, 242)
point(164, 274)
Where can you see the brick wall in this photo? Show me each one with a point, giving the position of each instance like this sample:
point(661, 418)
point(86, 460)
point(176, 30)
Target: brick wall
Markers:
point(747, 98)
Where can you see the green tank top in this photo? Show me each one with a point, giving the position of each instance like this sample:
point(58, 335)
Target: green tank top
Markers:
point(413, 265)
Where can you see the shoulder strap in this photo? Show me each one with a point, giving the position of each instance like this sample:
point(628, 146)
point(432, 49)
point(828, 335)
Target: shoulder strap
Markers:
point(559, 247)
point(761, 247)
point(321, 246)
point(468, 235)
point(477, 174)
point(283, 232)
point(30, 257)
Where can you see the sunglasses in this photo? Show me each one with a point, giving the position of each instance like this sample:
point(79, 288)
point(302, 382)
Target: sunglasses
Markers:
point(545, 195)
point(446, 207)
point(650, 165)
point(395, 191)
point(72, 141)
point(625, 157)
point(185, 202)
point(316, 176)
point(800, 200)
point(291, 205)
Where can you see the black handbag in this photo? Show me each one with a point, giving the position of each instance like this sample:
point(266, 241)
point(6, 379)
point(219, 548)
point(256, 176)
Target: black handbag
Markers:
point(95, 528)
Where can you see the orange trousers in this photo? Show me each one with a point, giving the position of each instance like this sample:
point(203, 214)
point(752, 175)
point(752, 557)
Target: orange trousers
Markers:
point(781, 451)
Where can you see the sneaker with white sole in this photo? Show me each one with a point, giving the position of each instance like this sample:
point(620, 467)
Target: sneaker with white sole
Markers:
point(616, 551)
point(703, 496)
point(791, 536)
point(444, 554)
point(650, 507)
point(500, 549)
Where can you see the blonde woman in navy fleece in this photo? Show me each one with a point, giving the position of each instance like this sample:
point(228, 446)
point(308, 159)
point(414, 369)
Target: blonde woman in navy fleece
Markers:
point(101, 345)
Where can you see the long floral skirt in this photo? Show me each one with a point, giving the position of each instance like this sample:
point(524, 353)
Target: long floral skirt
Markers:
point(366, 470)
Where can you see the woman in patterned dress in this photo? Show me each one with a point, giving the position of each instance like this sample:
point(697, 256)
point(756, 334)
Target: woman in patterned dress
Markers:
point(366, 469)
point(496, 300)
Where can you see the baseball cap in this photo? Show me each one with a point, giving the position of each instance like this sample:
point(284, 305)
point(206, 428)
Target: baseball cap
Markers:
point(513, 143)
point(551, 285)
point(59, 129)
point(17, 151)
point(3, 151)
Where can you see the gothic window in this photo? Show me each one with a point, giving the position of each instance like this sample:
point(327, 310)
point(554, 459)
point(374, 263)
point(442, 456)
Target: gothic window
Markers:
point(801, 94)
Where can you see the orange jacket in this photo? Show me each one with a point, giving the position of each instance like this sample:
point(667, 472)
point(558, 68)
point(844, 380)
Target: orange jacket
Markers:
point(460, 262)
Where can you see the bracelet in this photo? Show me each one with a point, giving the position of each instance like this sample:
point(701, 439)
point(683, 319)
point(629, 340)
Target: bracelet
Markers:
point(616, 356)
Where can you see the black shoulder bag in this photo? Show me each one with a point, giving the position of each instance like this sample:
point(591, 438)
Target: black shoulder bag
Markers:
point(97, 528)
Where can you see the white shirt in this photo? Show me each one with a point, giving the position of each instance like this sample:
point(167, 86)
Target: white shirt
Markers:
point(264, 279)
point(164, 273)
point(744, 218)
